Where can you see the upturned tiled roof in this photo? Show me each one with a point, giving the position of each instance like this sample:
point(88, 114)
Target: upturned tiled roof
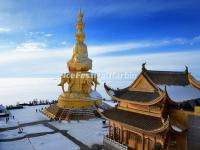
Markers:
point(138, 96)
point(168, 77)
point(137, 120)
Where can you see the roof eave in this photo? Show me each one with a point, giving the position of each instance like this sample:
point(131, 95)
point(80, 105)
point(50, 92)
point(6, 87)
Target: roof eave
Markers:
point(164, 127)
point(169, 99)
point(162, 95)
point(192, 81)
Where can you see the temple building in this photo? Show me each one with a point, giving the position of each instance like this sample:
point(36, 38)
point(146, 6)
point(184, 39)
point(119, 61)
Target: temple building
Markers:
point(81, 100)
point(150, 113)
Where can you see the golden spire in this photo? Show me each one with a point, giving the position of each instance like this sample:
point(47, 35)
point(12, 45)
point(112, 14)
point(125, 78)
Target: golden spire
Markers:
point(80, 36)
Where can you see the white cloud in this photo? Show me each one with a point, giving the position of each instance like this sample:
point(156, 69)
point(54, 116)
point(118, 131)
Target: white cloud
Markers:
point(40, 36)
point(160, 61)
point(30, 88)
point(101, 49)
point(52, 63)
point(36, 59)
point(32, 52)
point(39, 50)
point(63, 42)
point(4, 30)
point(196, 39)
point(31, 47)
point(48, 35)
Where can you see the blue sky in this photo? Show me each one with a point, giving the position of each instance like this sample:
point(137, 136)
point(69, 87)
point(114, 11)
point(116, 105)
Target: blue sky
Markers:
point(37, 36)
point(32, 31)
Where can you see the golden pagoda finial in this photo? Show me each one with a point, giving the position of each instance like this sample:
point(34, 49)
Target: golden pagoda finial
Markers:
point(80, 60)
point(80, 13)
point(80, 36)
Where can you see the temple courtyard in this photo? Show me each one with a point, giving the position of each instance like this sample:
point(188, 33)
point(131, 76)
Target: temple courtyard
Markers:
point(30, 129)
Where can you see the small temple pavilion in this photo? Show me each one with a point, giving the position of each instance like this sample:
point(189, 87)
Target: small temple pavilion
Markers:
point(81, 99)
point(149, 112)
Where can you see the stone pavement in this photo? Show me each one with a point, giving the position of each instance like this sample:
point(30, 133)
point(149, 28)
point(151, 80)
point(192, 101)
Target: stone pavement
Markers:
point(45, 123)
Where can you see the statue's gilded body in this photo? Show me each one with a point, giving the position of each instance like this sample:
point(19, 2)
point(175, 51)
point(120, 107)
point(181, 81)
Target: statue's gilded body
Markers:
point(79, 60)
point(79, 80)
point(79, 100)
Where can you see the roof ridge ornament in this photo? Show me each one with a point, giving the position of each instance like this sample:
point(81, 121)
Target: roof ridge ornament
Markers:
point(143, 66)
point(186, 69)
point(165, 88)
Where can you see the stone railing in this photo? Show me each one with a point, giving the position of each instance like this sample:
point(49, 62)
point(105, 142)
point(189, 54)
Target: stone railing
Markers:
point(109, 144)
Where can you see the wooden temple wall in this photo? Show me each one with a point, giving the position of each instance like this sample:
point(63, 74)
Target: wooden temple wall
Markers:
point(144, 109)
point(133, 139)
point(179, 141)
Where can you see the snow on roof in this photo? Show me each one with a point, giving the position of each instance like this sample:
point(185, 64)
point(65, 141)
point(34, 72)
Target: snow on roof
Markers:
point(95, 94)
point(100, 110)
point(110, 103)
point(176, 128)
point(198, 81)
point(181, 93)
point(111, 92)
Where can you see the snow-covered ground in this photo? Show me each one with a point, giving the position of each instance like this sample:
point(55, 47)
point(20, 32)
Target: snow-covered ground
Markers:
point(11, 122)
point(26, 130)
point(88, 132)
point(16, 145)
point(25, 115)
point(28, 114)
point(48, 142)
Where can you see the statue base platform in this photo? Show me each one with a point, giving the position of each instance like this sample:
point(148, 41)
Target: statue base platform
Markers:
point(74, 107)
point(58, 113)
point(77, 101)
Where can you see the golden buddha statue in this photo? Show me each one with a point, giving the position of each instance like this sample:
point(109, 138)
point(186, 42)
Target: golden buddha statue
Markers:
point(81, 94)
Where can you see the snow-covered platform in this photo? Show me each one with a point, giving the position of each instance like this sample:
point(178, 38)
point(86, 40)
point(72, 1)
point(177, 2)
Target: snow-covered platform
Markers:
point(47, 142)
point(39, 133)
